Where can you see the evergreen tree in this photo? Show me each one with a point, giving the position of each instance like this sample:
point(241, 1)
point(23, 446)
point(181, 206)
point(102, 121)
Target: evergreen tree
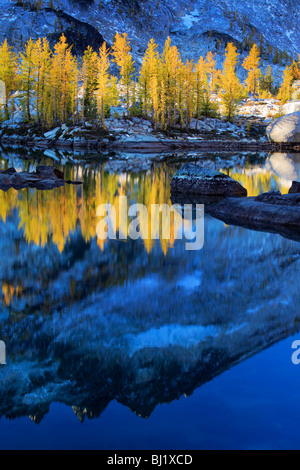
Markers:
point(123, 58)
point(266, 82)
point(175, 67)
point(285, 91)
point(276, 56)
point(201, 86)
point(296, 69)
point(188, 92)
point(8, 73)
point(149, 70)
point(64, 79)
point(231, 91)
point(27, 76)
point(251, 64)
point(170, 60)
point(41, 61)
point(155, 100)
point(211, 69)
point(89, 78)
point(103, 81)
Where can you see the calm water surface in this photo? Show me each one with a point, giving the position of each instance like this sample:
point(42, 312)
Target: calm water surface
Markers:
point(142, 344)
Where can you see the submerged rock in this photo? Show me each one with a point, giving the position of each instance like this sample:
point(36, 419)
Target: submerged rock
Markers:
point(193, 179)
point(45, 177)
point(265, 212)
point(285, 129)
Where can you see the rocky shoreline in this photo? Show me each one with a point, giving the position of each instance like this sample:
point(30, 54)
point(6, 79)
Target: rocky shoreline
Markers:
point(146, 144)
point(137, 134)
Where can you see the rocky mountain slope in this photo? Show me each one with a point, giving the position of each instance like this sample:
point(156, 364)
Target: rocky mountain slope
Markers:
point(195, 26)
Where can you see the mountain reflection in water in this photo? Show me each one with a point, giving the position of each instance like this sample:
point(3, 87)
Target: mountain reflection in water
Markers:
point(86, 322)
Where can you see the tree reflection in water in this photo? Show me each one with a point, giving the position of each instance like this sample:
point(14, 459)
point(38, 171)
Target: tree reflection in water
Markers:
point(87, 322)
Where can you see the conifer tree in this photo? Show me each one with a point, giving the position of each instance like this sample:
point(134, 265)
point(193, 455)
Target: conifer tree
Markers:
point(211, 69)
point(163, 105)
point(168, 75)
point(266, 82)
point(189, 89)
point(276, 56)
point(27, 76)
point(63, 78)
point(285, 91)
point(113, 93)
point(201, 86)
point(180, 94)
point(149, 70)
point(8, 73)
point(41, 57)
point(103, 80)
point(155, 100)
point(296, 69)
point(231, 89)
point(251, 64)
point(123, 58)
point(89, 78)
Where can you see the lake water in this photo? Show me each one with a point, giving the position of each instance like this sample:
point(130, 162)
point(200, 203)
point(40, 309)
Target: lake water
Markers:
point(143, 344)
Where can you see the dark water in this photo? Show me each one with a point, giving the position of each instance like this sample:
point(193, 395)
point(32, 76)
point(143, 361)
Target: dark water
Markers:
point(143, 344)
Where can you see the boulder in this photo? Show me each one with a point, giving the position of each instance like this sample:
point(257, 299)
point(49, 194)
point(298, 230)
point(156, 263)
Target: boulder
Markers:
point(295, 188)
point(285, 129)
point(291, 107)
point(52, 134)
point(278, 199)
point(193, 179)
point(267, 211)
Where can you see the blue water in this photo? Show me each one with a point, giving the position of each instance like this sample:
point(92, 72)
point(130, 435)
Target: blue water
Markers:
point(255, 405)
point(134, 345)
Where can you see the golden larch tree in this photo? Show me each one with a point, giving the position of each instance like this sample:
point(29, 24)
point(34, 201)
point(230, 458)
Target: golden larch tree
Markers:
point(103, 80)
point(8, 73)
point(251, 64)
point(121, 50)
point(231, 91)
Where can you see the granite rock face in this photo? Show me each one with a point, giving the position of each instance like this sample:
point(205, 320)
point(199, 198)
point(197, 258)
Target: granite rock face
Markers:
point(189, 23)
point(285, 129)
point(192, 179)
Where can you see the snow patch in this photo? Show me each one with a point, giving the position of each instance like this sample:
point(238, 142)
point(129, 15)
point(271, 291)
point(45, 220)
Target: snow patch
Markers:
point(170, 335)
